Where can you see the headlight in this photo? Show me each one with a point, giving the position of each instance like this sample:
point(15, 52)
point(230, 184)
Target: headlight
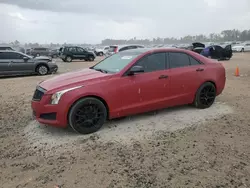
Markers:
point(55, 98)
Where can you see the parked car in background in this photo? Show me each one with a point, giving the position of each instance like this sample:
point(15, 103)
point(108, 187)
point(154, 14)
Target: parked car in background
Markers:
point(213, 51)
point(218, 52)
point(6, 48)
point(119, 48)
point(145, 80)
point(69, 53)
point(14, 63)
point(244, 47)
point(40, 51)
point(54, 53)
point(101, 51)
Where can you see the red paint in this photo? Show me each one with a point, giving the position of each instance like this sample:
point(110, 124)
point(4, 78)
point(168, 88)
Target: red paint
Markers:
point(128, 95)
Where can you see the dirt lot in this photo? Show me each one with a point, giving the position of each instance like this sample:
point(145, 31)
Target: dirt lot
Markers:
point(177, 147)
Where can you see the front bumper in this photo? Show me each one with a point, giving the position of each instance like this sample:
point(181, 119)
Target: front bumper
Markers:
point(236, 50)
point(46, 113)
point(53, 68)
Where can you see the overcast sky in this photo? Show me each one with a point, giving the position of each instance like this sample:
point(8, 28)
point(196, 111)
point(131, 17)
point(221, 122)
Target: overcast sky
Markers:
point(85, 21)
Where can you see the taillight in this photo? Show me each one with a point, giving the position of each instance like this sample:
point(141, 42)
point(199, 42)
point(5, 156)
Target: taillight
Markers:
point(116, 49)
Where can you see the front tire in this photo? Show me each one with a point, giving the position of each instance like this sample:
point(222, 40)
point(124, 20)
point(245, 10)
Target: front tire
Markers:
point(68, 59)
point(205, 95)
point(87, 115)
point(42, 70)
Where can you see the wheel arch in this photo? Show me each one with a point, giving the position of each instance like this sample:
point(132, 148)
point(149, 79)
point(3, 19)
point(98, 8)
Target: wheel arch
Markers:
point(89, 96)
point(40, 64)
point(211, 81)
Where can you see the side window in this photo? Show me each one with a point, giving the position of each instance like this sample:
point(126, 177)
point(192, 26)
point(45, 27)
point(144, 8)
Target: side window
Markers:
point(193, 61)
point(71, 49)
point(132, 47)
point(13, 55)
point(10, 55)
point(178, 60)
point(106, 48)
point(3, 55)
point(123, 49)
point(153, 62)
point(80, 50)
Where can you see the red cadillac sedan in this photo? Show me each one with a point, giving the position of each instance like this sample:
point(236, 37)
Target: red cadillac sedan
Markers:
point(127, 83)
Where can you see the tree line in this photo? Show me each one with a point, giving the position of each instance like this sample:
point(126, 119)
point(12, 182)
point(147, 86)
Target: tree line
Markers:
point(224, 36)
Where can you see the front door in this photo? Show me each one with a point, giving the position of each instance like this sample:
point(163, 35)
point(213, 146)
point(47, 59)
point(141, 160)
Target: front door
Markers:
point(145, 91)
point(18, 64)
point(185, 78)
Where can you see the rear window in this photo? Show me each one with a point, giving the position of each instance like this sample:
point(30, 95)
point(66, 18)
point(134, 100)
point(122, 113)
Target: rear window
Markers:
point(117, 62)
point(6, 48)
point(40, 49)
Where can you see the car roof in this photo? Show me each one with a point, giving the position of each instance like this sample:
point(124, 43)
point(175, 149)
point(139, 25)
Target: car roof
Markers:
point(152, 50)
point(9, 51)
point(124, 45)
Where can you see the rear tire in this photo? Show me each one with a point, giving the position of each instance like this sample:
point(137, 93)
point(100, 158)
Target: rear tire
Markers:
point(87, 115)
point(205, 95)
point(91, 58)
point(42, 70)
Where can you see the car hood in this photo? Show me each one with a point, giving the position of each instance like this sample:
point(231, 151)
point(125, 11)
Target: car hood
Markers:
point(42, 58)
point(73, 79)
point(238, 46)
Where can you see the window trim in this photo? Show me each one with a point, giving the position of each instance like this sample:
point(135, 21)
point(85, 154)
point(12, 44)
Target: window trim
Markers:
point(145, 56)
point(200, 63)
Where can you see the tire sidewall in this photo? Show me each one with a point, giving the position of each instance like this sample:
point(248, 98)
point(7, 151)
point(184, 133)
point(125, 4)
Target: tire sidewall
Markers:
point(40, 67)
point(68, 59)
point(197, 102)
point(81, 102)
point(91, 58)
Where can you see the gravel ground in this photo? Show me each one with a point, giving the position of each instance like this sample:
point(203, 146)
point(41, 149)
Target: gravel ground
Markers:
point(176, 147)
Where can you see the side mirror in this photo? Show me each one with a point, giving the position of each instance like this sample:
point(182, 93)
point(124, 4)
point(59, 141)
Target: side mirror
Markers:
point(135, 69)
point(25, 58)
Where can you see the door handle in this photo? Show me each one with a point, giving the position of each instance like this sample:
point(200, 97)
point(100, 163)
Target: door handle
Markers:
point(10, 63)
point(200, 69)
point(163, 76)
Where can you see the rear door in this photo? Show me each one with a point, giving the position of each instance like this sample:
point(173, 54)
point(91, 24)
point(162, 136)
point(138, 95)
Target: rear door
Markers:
point(4, 63)
point(146, 91)
point(81, 53)
point(185, 77)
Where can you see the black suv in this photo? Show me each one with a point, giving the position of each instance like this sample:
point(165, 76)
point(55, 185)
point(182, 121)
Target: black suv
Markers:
point(69, 53)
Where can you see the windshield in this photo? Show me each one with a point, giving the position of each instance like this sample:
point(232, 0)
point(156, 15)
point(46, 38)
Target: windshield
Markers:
point(25, 55)
point(117, 62)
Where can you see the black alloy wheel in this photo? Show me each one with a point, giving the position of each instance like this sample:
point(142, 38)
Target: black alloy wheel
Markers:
point(205, 95)
point(87, 115)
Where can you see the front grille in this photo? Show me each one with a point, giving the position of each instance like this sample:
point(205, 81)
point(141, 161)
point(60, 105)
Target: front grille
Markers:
point(39, 92)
